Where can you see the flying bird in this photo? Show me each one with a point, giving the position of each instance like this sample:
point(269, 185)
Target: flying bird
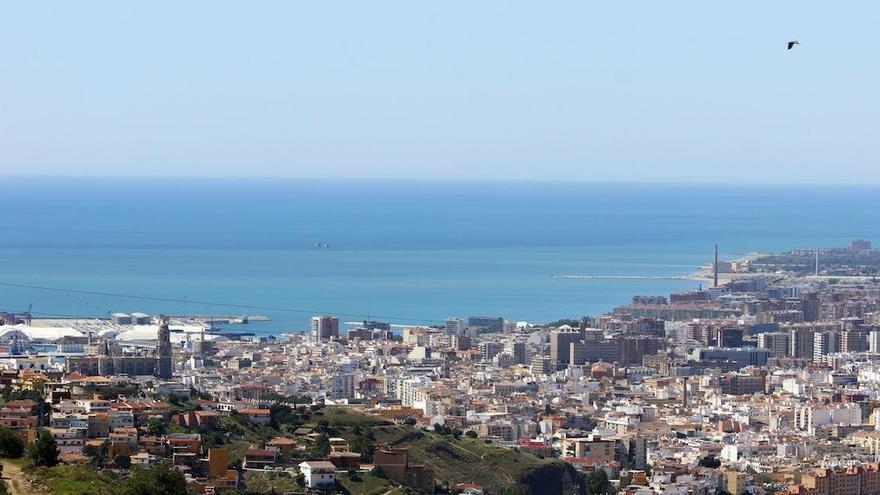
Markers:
point(791, 44)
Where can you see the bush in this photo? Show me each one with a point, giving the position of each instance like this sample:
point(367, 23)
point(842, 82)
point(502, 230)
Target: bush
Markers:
point(122, 461)
point(44, 451)
point(471, 434)
point(161, 479)
point(10, 444)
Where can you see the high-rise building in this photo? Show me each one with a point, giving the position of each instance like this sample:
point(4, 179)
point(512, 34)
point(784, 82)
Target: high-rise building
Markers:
point(853, 341)
point(729, 337)
point(518, 351)
point(560, 345)
point(859, 245)
point(801, 341)
point(486, 324)
point(776, 342)
point(541, 365)
point(488, 350)
point(874, 341)
point(825, 343)
point(164, 367)
point(455, 326)
point(324, 328)
point(461, 342)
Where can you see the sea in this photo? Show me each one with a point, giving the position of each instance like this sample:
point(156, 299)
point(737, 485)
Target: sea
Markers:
point(406, 252)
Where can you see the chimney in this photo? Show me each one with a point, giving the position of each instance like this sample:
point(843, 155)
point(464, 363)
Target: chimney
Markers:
point(715, 266)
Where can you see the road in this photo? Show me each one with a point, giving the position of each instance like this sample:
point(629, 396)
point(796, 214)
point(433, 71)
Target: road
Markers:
point(16, 482)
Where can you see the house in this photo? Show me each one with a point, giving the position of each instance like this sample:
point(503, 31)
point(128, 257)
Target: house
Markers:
point(469, 489)
point(394, 462)
point(345, 460)
point(318, 473)
point(259, 458)
point(69, 440)
point(143, 459)
point(203, 420)
point(184, 442)
point(283, 444)
point(338, 444)
point(256, 416)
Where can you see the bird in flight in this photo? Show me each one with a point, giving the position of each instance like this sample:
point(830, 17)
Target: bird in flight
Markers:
point(791, 44)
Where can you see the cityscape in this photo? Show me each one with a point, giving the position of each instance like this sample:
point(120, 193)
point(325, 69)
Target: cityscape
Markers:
point(439, 248)
point(763, 381)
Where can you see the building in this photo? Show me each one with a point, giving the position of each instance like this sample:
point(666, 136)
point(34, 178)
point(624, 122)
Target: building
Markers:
point(518, 351)
point(593, 447)
point(121, 319)
point(855, 480)
point(455, 326)
point(485, 324)
point(540, 365)
point(318, 473)
point(741, 384)
point(324, 328)
point(164, 365)
point(342, 386)
point(395, 465)
point(778, 343)
point(825, 343)
point(747, 356)
point(488, 350)
point(560, 345)
point(859, 245)
point(874, 341)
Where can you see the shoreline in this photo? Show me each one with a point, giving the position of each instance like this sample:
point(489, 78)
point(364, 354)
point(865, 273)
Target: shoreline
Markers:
point(705, 272)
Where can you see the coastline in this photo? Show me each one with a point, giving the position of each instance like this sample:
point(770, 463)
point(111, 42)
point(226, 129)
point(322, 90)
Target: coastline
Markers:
point(705, 272)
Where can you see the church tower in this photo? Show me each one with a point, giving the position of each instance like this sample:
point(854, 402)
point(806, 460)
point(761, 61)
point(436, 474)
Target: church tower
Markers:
point(163, 351)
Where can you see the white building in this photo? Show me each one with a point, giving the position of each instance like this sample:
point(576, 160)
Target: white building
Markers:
point(318, 473)
point(874, 341)
point(455, 326)
point(342, 386)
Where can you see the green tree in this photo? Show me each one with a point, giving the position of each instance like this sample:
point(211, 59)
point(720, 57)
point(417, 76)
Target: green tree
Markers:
point(597, 483)
point(98, 454)
point(156, 427)
point(161, 479)
point(122, 461)
point(322, 445)
point(44, 451)
point(10, 444)
point(710, 461)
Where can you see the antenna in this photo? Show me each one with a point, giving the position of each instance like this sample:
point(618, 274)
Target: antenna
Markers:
point(817, 262)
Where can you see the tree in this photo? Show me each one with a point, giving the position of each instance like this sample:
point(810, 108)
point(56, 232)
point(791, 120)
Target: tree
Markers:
point(471, 434)
point(710, 461)
point(44, 451)
point(409, 421)
point(597, 483)
point(10, 444)
point(322, 445)
point(122, 461)
point(98, 454)
point(156, 427)
point(161, 479)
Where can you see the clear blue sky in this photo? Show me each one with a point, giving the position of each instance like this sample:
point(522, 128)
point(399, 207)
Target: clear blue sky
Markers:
point(678, 91)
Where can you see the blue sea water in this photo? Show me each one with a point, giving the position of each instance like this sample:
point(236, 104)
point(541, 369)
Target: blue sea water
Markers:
point(409, 252)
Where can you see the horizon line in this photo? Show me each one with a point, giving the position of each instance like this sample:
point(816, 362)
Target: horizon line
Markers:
point(439, 180)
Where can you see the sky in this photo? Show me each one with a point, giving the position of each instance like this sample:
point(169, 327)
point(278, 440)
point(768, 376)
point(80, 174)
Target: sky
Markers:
point(682, 91)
